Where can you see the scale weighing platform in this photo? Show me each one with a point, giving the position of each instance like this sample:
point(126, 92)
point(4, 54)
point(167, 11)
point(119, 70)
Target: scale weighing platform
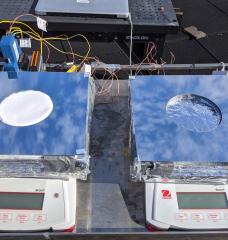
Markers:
point(186, 206)
point(32, 204)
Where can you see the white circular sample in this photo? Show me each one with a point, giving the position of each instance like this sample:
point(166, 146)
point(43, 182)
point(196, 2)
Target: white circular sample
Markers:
point(25, 108)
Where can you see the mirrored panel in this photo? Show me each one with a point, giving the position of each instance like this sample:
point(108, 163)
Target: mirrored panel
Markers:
point(43, 113)
point(180, 126)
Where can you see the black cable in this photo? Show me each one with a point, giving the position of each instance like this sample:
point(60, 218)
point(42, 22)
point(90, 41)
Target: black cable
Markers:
point(218, 8)
point(64, 49)
point(202, 46)
point(208, 51)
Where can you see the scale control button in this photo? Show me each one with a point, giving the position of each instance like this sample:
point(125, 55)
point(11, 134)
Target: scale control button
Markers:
point(5, 217)
point(197, 216)
point(181, 216)
point(23, 218)
point(39, 218)
point(214, 217)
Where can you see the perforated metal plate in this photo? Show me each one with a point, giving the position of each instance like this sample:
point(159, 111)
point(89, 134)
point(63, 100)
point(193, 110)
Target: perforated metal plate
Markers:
point(9, 9)
point(158, 12)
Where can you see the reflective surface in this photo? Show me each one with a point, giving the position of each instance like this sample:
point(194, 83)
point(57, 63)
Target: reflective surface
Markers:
point(160, 137)
point(64, 130)
point(193, 112)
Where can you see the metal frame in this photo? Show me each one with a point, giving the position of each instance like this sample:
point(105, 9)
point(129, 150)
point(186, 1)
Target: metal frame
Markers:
point(146, 67)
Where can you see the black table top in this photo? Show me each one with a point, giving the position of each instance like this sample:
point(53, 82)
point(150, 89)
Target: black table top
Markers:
point(148, 17)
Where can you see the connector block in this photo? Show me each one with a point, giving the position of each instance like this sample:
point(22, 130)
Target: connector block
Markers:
point(11, 53)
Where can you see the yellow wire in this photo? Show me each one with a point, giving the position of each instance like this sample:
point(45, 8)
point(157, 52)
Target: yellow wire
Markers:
point(37, 37)
point(17, 29)
point(12, 30)
point(18, 22)
point(70, 38)
point(41, 47)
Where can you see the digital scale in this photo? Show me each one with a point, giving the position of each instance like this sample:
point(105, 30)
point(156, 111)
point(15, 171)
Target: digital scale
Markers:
point(186, 206)
point(32, 204)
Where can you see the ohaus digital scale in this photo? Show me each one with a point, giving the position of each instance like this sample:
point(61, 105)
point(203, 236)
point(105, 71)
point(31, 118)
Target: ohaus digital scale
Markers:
point(28, 204)
point(186, 206)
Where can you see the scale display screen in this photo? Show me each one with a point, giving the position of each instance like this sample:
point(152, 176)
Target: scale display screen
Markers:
point(25, 201)
point(202, 200)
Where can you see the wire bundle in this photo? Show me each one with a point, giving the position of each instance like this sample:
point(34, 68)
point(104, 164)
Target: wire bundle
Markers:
point(34, 35)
